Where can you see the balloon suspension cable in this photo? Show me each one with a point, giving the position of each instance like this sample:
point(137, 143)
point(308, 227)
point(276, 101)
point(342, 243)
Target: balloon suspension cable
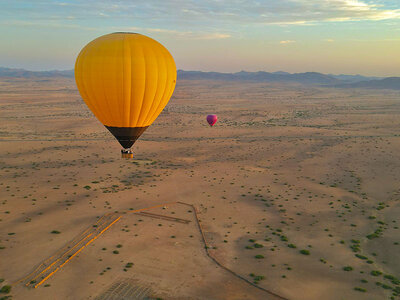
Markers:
point(127, 153)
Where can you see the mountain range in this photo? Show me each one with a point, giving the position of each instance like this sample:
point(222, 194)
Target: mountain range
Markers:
point(22, 73)
point(307, 78)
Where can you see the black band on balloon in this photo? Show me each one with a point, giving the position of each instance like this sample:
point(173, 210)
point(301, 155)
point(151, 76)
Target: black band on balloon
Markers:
point(126, 136)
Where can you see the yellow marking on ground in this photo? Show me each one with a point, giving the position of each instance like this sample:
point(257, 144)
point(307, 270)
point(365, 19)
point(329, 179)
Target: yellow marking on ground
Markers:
point(58, 259)
point(90, 241)
point(58, 251)
point(79, 250)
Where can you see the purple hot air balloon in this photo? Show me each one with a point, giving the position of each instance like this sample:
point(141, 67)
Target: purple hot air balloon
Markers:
point(212, 119)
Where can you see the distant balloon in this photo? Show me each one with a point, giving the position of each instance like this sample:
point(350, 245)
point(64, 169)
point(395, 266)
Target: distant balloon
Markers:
point(126, 79)
point(212, 119)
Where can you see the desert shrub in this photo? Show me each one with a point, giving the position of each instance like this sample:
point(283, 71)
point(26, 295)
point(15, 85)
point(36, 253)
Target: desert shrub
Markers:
point(259, 256)
point(304, 252)
point(347, 268)
point(258, 245)
point(360, 289)
point(376, 273)
point(386, 287)
point(390, 277)
point(291, 246)
point(355, 248)
point(55, 232)
point(5, 289)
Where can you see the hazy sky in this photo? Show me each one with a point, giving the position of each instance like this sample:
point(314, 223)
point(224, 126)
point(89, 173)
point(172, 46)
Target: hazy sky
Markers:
point(329, 36)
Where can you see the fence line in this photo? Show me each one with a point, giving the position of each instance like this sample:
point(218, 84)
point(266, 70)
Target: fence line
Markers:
point(198, 222)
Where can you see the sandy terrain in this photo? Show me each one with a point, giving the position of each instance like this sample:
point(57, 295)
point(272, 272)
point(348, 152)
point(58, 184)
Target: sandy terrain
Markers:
point(305, 179)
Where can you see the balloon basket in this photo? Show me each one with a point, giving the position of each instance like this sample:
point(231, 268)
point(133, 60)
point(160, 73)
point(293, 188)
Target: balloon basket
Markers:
point(126, 153)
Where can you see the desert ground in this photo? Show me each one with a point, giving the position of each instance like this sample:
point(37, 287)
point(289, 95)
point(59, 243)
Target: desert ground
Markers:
point(297, 190)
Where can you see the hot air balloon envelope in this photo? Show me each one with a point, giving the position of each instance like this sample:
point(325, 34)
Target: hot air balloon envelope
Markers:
point(212, 119)
point(126, 79)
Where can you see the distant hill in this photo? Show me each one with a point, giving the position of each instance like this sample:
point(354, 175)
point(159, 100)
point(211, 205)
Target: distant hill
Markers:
point(392, 83)
point(308, 78)
point(304, 78)
point(21, 73)
point(353, 78)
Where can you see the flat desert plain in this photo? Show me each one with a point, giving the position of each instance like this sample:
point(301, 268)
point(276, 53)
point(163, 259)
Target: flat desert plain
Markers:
point(297, 191)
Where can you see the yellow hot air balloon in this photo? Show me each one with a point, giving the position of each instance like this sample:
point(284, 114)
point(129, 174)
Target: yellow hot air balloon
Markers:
point(126, 79)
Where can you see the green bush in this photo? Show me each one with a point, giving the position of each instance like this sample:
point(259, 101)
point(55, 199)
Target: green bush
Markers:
point(259, 277)
point(376, 273)
point(390, 277)
point(304, 252)
point(360, 289)
point(55, 232)
point(347, 268)
point(355, 248)
point(5, 289)
point(291, 246)
point(259, 256)
point(386, 287)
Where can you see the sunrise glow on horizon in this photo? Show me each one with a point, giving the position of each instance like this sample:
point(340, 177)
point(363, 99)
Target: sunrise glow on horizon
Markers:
point(328, 36)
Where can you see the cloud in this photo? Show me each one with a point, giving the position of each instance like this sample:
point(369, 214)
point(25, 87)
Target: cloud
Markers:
point(216, 18)
point(19, 23)
point(271, 12)
point(287, 42)
point(214, 36)
point(308, 12)
point(195, 35)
